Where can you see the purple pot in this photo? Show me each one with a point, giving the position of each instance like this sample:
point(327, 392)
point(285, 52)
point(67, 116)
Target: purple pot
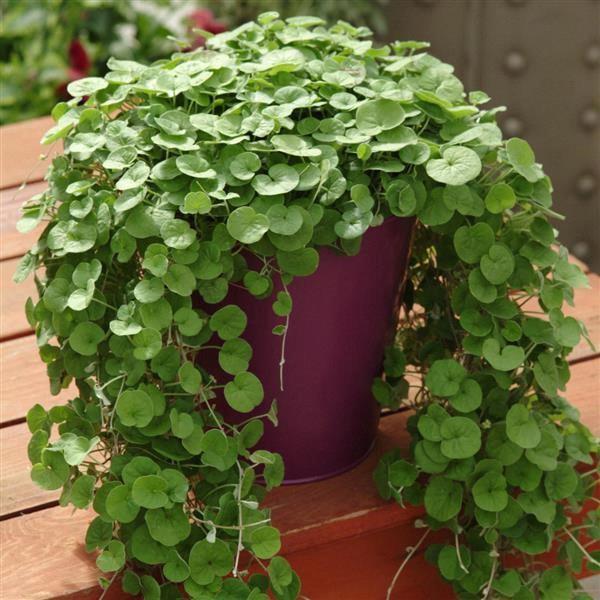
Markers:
point(343, 316)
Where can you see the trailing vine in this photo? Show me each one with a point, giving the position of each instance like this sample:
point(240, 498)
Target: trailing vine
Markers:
point(276, 139)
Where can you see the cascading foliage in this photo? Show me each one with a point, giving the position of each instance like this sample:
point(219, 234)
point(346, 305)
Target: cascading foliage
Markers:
point(274, 140)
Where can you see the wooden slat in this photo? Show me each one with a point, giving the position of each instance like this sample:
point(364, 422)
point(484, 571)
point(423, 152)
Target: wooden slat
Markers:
point(587, 309)
point(15, 243)
point(23, 380)
point(298, 511)
point(305, 511)
point(337, 510)
point(15, 483)
point(20, 152)
point(12, 301)
point(359, 569)
point(44, 557)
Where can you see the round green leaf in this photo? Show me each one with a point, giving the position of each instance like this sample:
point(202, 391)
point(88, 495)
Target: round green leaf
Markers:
point(302, 262)
point(196, 203)
point(443, 498)
point(134, 177)
point(376, 116)
point(177, 234)
point(234, 356)
point(208, 561)
point(135, 408)
point(481, 288)
point(86, 86)
point(190, 377)
point(501, 197)
point(246, 225)
point(147, 344)
point(448, 562)
point(461, 437)
point(521, 157)
point(120, 505)
point(505, 359)
point(84, 339)
point(244, 393)
point(180, 280)
point(468, 398)
point(444, 377)
point(149, 290)
point(560, 483)
point(498, 264)
point(265, 541)
point(457, 166)
point(285, 220)
point(52, 473)
point(489, 492)
point(112, 558)
point(463, 199)
point(471, 243)
point(169, 526)
point(176, 569)
point(521, 427)
point(244, 165)
point(229, 322)
point(280, 180)
point(148, 491)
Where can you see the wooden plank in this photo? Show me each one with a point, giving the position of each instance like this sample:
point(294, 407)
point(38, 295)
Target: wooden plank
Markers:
point(20, 152)
point(363, 567)
point(23, 380)
point(44, 556)
point(11, 200)
point(336, 510)
point(60, 568)
point(341, 506)
point(587, 309)
point(12, 301)
point(299, 508)
point(15, 483)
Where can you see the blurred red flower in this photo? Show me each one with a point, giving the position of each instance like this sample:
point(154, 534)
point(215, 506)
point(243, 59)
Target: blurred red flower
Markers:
point(204, 19)
point(79, 66)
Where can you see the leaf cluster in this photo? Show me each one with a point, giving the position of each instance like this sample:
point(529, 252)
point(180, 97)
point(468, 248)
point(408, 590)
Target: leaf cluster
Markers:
point(231, 166)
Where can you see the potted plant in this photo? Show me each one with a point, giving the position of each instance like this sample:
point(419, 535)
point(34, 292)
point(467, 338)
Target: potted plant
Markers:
point(189, 187)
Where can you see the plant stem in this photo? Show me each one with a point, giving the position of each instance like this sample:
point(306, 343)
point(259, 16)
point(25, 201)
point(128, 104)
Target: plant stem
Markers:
point(488, 588)
point(458, 556)
point(404, 563)
point(589, 557)
point(112, 580)
point(283, 340)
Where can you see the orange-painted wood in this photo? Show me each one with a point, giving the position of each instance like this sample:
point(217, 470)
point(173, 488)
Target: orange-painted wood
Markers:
point(11, 199)
point(340, 537)
point(21, 151)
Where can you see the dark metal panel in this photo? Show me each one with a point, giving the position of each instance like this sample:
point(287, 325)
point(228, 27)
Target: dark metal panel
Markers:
point(541, 58)
point(537, 57)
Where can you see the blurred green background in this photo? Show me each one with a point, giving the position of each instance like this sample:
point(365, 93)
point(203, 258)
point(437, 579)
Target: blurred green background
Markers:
point(540, 58)
point(44, 44)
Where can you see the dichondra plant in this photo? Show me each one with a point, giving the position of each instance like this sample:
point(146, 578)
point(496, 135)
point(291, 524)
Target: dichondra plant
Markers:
point(277, 139)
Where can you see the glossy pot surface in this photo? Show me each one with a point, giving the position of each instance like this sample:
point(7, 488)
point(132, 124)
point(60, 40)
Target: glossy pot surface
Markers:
point(343, 316)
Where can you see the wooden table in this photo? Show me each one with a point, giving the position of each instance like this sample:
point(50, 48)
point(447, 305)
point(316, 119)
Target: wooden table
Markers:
point(340, 537)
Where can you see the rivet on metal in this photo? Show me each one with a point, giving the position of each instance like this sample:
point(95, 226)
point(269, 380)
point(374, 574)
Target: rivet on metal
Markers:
point(515, 62)
point(589, 118)
point(586, 184)
point(591, 56)
point(513, 126)
point(581, 249)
